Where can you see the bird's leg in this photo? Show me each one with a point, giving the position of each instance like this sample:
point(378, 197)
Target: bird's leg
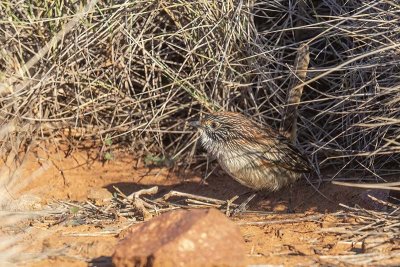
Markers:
point(207, 174)
point(242, 207)
point(247, 192)
point(290, 208)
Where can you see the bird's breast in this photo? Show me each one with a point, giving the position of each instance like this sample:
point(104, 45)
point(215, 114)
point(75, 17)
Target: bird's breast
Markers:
point(254, 171)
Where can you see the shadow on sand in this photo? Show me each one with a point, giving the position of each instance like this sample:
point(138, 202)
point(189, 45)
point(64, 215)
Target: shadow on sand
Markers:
point(304, 197)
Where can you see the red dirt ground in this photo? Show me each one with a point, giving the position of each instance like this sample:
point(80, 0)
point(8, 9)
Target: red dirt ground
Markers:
point(51, 176)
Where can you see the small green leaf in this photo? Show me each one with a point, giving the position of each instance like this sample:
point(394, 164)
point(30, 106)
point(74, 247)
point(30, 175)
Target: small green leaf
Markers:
point(108, 156)
point(74, 210)
point(158, 161)
point(108, 141)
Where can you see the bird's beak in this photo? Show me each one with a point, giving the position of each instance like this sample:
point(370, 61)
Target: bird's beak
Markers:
point(195, 124)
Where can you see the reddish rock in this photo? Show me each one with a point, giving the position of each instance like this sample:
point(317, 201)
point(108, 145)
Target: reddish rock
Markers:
point(203, 237)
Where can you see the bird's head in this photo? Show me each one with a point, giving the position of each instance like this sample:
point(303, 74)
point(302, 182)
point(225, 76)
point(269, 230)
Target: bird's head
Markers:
point(223, 127)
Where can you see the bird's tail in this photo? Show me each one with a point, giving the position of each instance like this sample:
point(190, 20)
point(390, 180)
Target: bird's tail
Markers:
point(289, 123)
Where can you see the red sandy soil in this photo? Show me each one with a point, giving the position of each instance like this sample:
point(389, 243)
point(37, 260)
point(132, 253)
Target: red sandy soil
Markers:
point(51, 177)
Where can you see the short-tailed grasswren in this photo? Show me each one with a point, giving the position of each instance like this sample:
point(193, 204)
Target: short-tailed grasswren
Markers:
point(257, 157)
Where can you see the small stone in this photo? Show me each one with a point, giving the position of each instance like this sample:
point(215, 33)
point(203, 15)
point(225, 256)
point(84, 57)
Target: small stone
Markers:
point(329, 221)
point(379, 243)
point(99, 195)
point(203, 237)
point(304, 250)
point(341, 247)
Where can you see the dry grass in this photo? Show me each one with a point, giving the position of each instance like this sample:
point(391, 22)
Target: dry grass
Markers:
point(136, 71)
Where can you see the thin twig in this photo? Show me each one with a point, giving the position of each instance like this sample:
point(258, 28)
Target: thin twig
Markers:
point(299, 220)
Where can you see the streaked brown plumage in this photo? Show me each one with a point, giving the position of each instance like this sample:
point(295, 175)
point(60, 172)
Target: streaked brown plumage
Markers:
point(259, 158)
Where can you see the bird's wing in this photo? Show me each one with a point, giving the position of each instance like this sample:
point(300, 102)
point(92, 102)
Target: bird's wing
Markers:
point(286, 155)
point(274, 149)
point(291, 158)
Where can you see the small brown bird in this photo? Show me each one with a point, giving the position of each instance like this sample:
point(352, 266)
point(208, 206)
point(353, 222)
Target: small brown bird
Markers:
point(258, 158)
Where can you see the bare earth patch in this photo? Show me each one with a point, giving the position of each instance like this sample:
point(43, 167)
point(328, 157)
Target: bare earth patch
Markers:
point(315, 234)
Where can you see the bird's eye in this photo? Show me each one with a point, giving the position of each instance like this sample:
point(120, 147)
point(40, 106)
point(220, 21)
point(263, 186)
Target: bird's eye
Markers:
point(214, 125)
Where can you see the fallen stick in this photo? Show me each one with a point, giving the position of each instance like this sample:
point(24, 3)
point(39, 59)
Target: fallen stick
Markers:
point(149, 191)
point(386, 186)
point(309, 218)
point(201, 198)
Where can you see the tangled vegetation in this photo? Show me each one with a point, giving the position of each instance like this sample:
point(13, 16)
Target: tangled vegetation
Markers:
point(136, 71)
